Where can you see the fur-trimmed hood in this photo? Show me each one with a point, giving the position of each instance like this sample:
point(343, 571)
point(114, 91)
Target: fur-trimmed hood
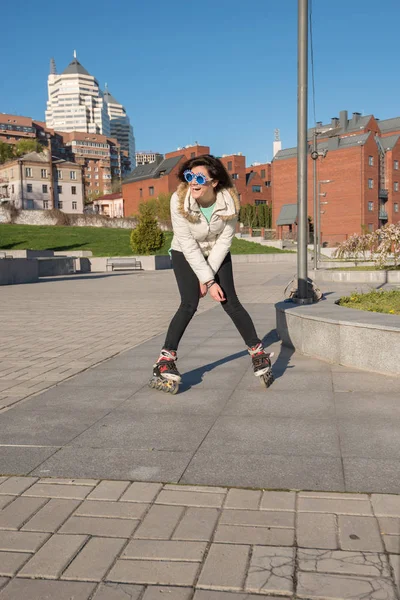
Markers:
point(227, 204)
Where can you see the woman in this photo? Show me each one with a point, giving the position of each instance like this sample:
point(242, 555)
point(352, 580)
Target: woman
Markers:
point(204, 213)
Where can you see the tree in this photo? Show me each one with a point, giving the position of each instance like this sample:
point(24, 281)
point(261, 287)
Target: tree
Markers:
point(25, 146)
point(163, 209)
point(116, 185)
point(147, 237)
point(6, 152)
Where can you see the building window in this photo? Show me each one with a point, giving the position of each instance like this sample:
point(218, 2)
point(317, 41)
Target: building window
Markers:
point(29, 204)
point(371, 161)
point(45, 204)
point(229, 165)
point(370, 227)
point(74, 206)
point(262, 173)
point(44, 189)
point(151, 191)
point(396, 207)
point(192, 154)
point(73, 190)
point(396, 165)
point(141, 192)
point(29, 187)
point(268, 184)
point(43, 173)
point(240, 198)
point(259, 202)
point(96, 176)
point(59, 174)
point(12, 188)
point(28, 172)
point(72, 175)
point(396, 186)
point(235, 175)
point(256, 189)
point(60, 204)
point(370, 183)
point(370, 206)
point(59, 189)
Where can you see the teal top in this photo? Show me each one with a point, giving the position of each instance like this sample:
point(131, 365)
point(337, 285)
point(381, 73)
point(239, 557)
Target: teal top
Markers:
point(207, 212)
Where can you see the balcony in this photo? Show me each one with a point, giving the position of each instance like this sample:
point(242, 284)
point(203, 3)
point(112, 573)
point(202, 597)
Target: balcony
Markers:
point(383, 194)
point(383, 216)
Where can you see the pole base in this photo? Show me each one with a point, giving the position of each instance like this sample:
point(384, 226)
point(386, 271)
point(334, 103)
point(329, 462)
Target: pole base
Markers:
point(303, 300)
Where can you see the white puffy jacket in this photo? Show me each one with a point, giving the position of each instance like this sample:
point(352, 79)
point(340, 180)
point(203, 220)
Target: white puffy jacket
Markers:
point(204, 244)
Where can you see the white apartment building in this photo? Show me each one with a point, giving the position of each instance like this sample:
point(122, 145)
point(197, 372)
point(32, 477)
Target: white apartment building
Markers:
point(75, 101)
point(145, 157)
point(33, 182)
point(120, 126)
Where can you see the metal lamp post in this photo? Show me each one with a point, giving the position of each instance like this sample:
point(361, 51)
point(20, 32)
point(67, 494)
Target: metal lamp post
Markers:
point(302, 153)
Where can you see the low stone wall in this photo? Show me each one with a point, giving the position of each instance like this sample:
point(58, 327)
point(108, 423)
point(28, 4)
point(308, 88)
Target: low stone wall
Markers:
point(264, 258)
point(346, 336)
point(54, 266)
point(18, 270)
point(44, 217)
point(373, 277)
point(149, 263)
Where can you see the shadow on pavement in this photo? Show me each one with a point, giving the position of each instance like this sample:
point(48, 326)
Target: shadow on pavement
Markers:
point(85, 276)
point(279, 366)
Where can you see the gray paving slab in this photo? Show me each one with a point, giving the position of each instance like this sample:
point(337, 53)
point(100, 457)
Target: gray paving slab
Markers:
point(258, 403)
point(369, 438)
point(21, 460)
point(47, 427)
point(265, 471)
point(372, 475)
point(253, 435)
point(122, 429)
point(68, 397)
point(115, 463)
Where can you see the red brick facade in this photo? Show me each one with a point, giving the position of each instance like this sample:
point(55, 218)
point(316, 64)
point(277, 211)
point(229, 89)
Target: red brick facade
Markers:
point(362, 194)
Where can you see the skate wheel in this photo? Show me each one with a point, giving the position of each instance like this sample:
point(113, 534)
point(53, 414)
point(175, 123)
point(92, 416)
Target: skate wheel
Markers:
point(164, 385)
point(267, 379)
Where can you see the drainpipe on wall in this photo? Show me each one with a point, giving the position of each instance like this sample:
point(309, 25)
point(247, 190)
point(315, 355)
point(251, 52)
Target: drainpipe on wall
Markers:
point(21, 182)
point(51, 174)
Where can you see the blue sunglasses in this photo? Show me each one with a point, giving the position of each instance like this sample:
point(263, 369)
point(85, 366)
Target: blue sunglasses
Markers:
point(199, 178)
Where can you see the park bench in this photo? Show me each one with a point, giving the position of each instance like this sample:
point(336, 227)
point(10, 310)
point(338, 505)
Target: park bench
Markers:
point(123, 262)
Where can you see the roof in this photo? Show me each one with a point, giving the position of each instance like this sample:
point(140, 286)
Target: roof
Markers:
point(116, 196)
point(355, 123)
point(336, 143)
point(389, 125)
point(75, 68)
point(389, 142)
point(249, 176)
point(109, 98)
point(153, 170)
point(36, 157)
point(288, 215)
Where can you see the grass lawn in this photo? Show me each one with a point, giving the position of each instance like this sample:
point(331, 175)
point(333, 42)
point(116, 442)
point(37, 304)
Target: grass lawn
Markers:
point(375, 301)
point(101, 241)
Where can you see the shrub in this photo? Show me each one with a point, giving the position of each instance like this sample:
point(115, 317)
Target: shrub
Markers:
point(147, 237)
point(61, 218)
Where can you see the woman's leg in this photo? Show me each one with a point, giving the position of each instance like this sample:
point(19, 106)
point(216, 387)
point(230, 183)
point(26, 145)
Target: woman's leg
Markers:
point(189, 289)
point(232, 305)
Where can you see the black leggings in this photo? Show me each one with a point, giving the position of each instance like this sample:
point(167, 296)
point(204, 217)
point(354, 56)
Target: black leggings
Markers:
point(189, 289)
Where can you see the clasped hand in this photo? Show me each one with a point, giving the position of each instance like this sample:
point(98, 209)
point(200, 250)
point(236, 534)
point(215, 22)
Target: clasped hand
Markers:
point(215, 290)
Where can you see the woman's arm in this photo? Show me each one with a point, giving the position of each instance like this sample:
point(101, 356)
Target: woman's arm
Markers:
point(222, 245)
point(188, 244)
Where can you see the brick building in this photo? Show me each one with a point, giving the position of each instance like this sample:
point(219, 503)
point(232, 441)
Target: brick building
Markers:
point(99, 155)
point(361, 163)
point(36, 182)
point(160, 177)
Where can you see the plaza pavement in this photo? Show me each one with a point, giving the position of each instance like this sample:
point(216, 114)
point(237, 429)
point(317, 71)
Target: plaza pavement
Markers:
point(110, 490)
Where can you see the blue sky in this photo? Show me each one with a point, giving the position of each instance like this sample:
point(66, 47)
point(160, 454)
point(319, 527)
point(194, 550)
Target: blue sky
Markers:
point(223, 73)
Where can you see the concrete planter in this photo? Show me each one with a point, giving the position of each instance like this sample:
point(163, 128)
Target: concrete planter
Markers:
point(346, 336)
point(18, 270)
point(375, 277)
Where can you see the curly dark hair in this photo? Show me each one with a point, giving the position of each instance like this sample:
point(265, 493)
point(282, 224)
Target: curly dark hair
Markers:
point(213, 165)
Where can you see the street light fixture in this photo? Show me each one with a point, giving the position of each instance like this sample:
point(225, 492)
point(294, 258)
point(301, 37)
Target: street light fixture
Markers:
point(317, 245)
